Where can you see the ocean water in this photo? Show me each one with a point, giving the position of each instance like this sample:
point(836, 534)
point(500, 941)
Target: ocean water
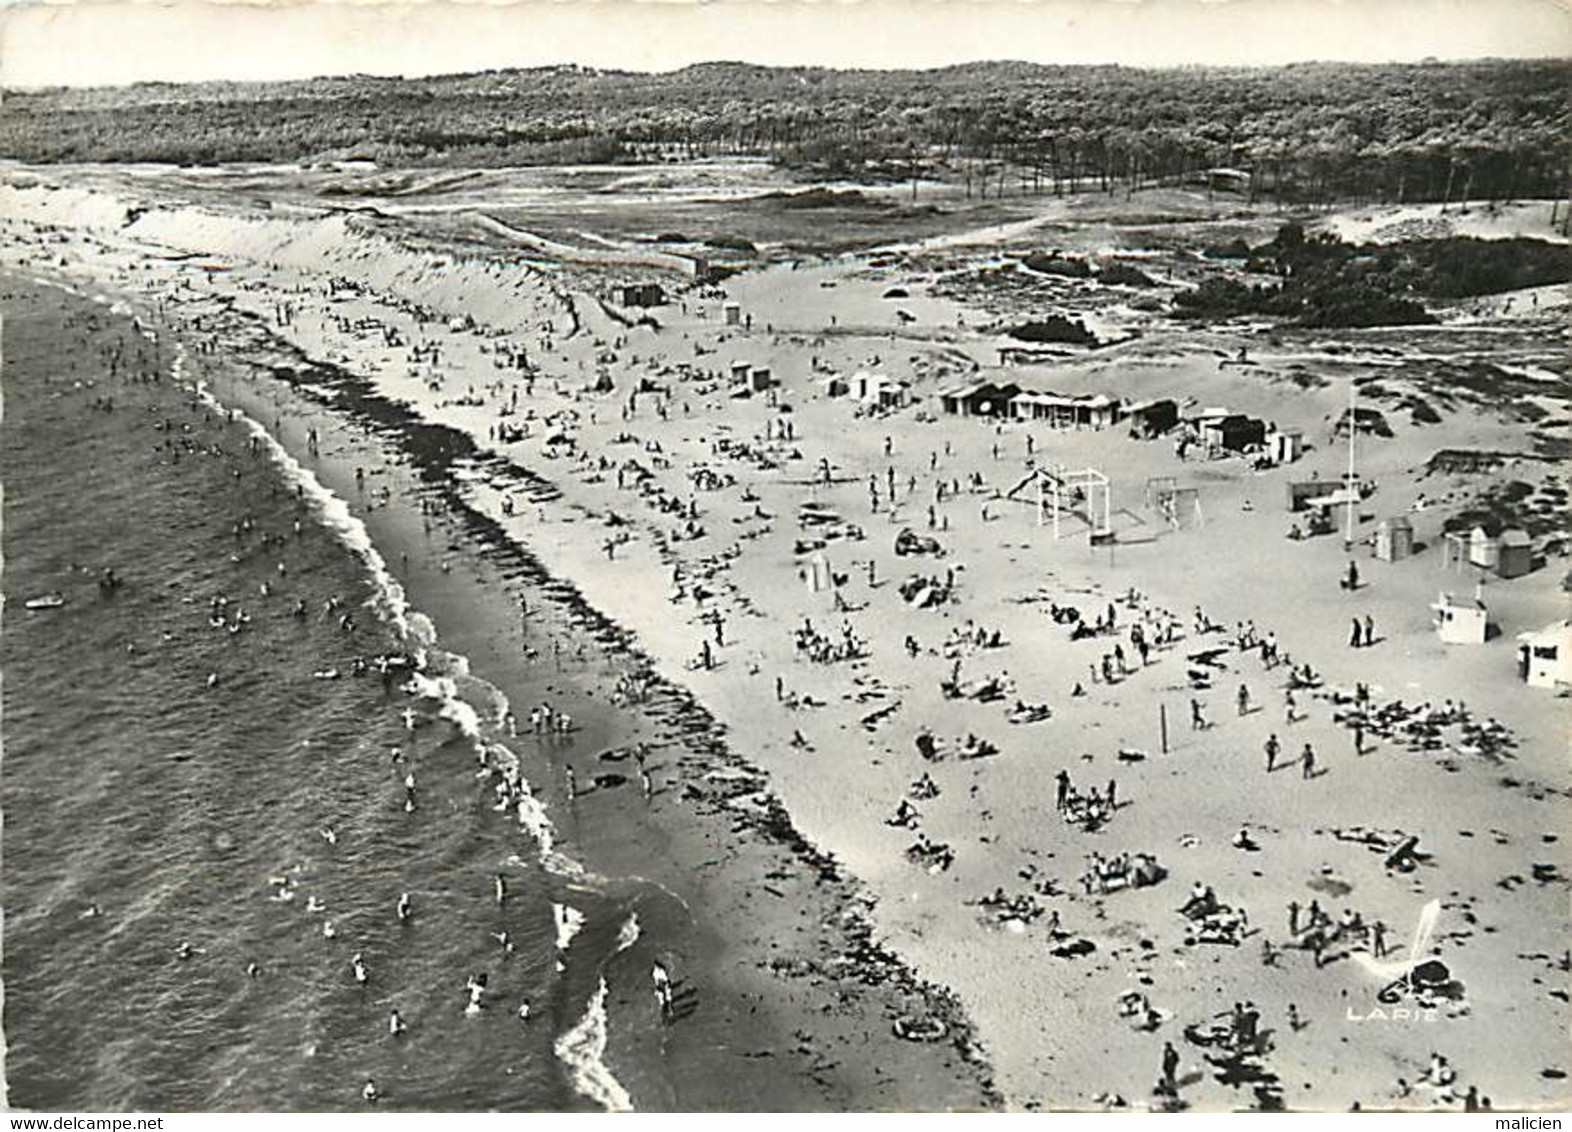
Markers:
point(168, 781)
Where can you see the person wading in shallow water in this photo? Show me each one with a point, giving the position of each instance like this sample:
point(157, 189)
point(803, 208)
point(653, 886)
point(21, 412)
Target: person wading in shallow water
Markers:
point(662, 980)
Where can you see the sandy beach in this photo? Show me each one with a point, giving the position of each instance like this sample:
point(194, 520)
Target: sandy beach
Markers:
point(867, 666)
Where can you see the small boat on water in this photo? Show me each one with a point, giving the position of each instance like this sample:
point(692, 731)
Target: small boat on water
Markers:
point(46, 601)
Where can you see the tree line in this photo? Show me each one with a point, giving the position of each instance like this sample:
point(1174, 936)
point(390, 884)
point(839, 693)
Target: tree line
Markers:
point(1303, 133)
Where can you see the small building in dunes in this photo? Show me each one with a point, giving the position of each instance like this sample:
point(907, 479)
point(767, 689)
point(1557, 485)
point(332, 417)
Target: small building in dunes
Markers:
point(1026, 355)
point(641, 295)
point(1097, 410)
point(956, 400)
point(1152, 418)
point(747, 378)
point(1300, 493)
point(1514, 554)
point(1285, 447)
point(1461, 622)
point(694, 266)
point(879, 390)
point(1544, 659)
point(1394, 539)
point(1222, 431)
point(979, 399)
point(1484, 549)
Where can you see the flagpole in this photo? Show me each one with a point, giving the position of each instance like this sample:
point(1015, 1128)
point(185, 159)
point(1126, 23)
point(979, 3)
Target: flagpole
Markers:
point(1348, 535)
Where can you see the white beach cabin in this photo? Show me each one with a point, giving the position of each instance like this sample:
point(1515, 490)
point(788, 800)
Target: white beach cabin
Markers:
point(1461, 622)
point(1544, 659)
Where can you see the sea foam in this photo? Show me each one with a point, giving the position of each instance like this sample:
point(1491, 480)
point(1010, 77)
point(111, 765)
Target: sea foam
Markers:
point(583, 1049)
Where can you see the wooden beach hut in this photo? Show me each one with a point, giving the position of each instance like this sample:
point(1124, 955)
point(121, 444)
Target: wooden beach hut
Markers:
point(1394, 539)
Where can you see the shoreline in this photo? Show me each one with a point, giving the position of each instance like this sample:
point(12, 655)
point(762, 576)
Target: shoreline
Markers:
point(465, 617)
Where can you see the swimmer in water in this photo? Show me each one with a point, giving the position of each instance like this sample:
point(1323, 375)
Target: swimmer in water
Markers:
point(662, 980)
point(405, 911)
point(396, 1025)
point(252, 970)
point(328, 930)
point(315, 905)
point(369, 1091)
point(359, 968)
point(477, 989)
point(212, 679)
point(501, 888)
point(502, 938)
point(91, 911)
point(185, 951)
point(409, 719)
point(329, 835)
point(524, 1011)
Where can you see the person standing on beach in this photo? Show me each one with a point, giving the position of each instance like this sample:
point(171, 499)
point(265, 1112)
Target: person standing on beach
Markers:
point(1244, 700)
point(1359, 735)
point(1197, 716)
point(1272, 748)
point(1062, 794)
point(1293, 917)
point(1369, 630)
point(1355, 635)
point(1170, 1065)
point(1307, 762)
